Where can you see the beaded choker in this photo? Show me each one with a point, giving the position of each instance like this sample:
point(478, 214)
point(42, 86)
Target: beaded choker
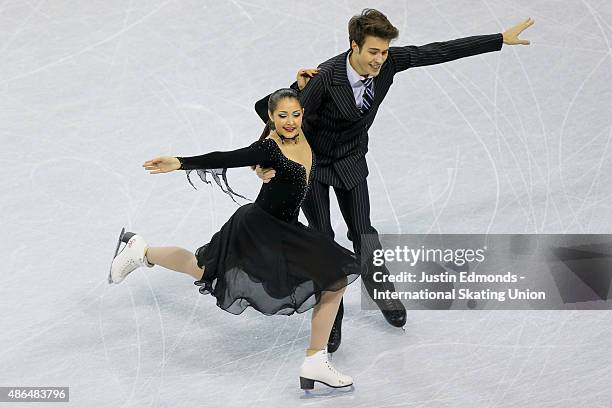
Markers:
point(293, 139)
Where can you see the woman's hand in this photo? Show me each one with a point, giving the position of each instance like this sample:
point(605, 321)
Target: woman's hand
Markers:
point(162, 164)
point(304, 75)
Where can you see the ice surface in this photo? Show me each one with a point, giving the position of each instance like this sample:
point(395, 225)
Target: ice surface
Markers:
point(511, 142)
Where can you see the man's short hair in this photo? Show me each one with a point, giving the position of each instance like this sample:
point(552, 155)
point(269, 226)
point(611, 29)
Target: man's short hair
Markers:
point(370, 22)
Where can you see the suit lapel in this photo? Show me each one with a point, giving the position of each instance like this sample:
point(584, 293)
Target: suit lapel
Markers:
point(341, 90)
point(381, 83)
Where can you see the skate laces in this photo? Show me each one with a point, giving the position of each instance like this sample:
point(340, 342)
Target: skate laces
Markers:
point(332, 368)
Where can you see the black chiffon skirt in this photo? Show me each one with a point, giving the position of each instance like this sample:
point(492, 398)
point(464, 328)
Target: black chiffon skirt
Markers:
point(273, 266)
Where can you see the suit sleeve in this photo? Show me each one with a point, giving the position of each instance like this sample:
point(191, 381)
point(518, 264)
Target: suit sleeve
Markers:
point(439, 52)
point(261, 107)
point(312, 94)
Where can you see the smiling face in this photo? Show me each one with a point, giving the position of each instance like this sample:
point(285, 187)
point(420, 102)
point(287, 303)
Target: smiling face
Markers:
point(368, 59)
point(287, 117)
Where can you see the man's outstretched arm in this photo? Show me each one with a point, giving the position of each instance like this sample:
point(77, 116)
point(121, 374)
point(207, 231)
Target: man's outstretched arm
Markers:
point(440, 52)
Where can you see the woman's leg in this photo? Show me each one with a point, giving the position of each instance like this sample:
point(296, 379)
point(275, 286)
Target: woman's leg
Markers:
point(316, 366)
point(176, 259)
point(323, 316)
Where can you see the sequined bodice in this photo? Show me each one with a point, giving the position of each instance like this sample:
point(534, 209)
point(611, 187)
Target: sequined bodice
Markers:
point(283, 195)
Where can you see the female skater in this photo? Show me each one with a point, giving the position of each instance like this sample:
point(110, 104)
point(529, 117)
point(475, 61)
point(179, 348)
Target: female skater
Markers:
point(263, 256)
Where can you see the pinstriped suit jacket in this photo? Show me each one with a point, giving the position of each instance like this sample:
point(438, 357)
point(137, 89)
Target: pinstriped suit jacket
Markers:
point(334, 126)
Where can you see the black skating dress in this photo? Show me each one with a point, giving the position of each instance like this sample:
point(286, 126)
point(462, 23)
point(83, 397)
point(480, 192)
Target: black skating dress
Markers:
point(263, 256)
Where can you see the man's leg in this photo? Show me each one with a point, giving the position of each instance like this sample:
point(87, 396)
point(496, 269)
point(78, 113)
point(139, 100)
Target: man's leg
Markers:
point(316, 208)
point(355, 207)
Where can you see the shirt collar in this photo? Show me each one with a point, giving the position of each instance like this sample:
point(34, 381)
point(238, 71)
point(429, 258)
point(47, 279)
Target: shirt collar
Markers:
point(353, 76)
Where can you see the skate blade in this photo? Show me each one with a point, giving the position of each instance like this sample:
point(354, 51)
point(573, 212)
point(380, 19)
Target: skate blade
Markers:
point(110, 277)
point(307, 384)
point(327, 391)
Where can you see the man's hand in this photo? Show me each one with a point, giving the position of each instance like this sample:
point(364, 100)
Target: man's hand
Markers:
point(265, 174)
point(304, 75)
point(511, 35)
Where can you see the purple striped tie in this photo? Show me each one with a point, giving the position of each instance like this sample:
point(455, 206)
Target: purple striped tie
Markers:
point(368, 94)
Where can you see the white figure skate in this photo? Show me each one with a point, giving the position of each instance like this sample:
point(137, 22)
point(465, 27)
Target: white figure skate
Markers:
point(317, 368)
point(132, 256)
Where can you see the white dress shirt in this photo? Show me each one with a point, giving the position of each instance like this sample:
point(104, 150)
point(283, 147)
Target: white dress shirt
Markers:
point(355, 80)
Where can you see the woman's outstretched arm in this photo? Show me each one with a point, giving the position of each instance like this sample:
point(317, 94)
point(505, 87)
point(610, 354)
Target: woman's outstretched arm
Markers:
point(214, 164)
point(246, 156)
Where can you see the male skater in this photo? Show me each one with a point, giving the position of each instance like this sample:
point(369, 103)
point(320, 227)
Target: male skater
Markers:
point(340, 103)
